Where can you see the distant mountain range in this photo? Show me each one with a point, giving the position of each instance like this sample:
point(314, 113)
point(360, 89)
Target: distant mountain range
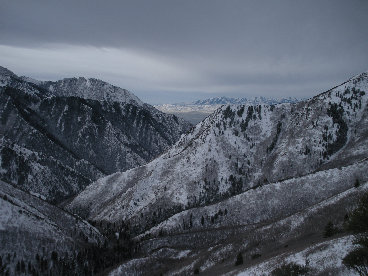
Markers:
point(58, 137)
point(196, 111)
point(253, 101)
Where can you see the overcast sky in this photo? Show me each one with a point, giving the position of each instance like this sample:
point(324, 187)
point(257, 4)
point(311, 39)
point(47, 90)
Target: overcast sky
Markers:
point(174, 51)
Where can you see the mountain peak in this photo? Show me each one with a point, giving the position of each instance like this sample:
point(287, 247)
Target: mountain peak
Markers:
point(91, 88)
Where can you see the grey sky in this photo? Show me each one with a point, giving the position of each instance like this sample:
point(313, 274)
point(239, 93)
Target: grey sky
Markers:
point(172, 51)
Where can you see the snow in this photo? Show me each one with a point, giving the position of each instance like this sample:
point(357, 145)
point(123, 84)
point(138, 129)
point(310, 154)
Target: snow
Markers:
point(129, 268)
point(38, 195)
point(321, 257)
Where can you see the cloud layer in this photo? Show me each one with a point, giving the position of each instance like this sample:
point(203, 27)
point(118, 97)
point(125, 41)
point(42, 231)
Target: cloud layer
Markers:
point(169, 51)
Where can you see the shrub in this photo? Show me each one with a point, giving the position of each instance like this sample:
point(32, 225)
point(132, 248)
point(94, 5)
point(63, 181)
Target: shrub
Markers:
point(290, 269)
point(255, 256)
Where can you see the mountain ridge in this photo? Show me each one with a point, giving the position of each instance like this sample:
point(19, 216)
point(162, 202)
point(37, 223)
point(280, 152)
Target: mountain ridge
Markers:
point(55, 143)
point(233, 133)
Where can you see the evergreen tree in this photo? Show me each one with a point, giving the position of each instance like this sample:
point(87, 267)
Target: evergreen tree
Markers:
point(239, 259)
point(291, 269)
point(358, 260)
point(358, 224)
point(329, 230)
point(358, 219)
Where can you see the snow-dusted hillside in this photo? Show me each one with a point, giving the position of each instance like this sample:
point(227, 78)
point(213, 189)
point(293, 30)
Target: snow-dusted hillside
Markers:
point(57, 137)
point(264, 246)
point(32, 230)
point(322, 258)
point(238, 148)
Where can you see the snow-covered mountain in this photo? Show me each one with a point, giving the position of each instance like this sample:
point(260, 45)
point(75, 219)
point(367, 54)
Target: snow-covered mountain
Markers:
point(58, 137)
point(249, 178)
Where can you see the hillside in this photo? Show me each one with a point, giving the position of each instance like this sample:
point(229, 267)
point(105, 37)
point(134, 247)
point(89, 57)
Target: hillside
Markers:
point(58, 137)
point(233, 182)
point(33, 233)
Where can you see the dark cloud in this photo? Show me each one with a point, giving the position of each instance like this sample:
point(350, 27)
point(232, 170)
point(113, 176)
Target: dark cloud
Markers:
point(207, 45)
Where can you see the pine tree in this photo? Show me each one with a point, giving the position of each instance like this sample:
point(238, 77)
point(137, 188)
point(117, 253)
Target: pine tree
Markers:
point(358, 224)
point(239, 259)
point(329, 230)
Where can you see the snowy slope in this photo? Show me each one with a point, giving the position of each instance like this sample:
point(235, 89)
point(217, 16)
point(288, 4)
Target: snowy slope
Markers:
point(57, 137)
point(30, 226)
point(267, 203)
point(264, 246)
point(325, 257)
point(236, 149)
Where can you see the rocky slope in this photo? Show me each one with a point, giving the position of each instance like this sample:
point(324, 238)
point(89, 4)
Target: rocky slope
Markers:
point(58, 137)
point(249, 179)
